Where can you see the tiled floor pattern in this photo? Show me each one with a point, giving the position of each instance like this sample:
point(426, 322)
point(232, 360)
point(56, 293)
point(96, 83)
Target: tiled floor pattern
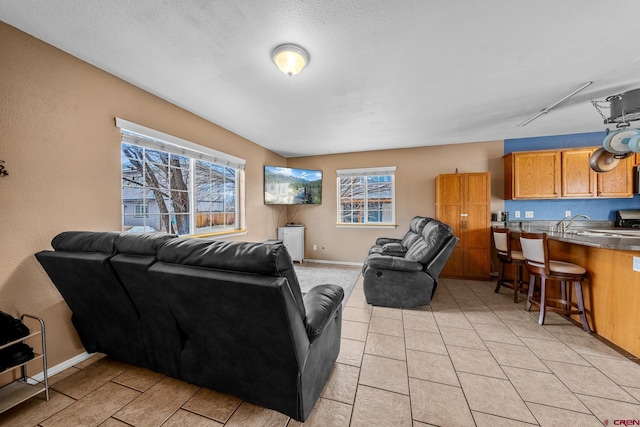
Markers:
point(471, 358)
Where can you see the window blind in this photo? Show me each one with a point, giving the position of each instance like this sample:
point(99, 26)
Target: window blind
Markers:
point(136, 134)
point(384, 170)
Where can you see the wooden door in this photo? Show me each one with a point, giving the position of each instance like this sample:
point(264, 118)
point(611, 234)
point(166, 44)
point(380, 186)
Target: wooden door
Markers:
point(617, 182)
point(477, 236)
point(578, 179)
point(462, 201)
point(449, 203)
point(535, 175)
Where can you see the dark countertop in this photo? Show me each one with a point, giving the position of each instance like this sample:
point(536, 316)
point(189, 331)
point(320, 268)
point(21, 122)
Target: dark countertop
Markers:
point(579, 233)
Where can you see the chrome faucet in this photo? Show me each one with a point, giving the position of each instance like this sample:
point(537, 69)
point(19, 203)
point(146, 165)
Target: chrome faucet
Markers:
point(573, 219)
point(560, 226)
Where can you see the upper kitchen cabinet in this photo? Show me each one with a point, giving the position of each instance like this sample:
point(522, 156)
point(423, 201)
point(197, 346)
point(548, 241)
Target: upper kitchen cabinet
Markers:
point(566, 174)
point(617, 182)
point(578, 179)
point(532, 175)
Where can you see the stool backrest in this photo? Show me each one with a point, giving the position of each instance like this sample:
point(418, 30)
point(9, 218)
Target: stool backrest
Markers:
point(535, 249)
point(502, 241)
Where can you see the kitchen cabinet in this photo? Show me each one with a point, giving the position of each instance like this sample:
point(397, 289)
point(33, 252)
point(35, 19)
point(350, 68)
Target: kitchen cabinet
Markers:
point(293, 239)
point(463, 202)
point(617, 182)
point(554, 174)
point(532, 175)
point(578, 179)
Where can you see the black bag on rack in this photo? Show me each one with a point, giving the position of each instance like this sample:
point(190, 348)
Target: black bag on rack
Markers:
point(15, 355)
point(11, 329)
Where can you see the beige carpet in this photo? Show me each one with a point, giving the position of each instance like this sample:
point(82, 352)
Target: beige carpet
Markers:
point(313, 276)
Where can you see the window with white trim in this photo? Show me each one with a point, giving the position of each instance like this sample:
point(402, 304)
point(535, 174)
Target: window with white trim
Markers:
point(366, 196)
point(176, 186)
point(139, 210)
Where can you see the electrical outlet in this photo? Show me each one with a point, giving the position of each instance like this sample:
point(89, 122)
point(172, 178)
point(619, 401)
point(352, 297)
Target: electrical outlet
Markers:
point(315, 247)
point(567, 213)
point(528, 214)
point(636, 263)
point(516, 214)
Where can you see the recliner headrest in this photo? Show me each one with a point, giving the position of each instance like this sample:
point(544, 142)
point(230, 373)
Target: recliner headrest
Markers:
point(248, 257)
point(417, 223)
point(144, 244)
point(86, 241)
point(434, 235)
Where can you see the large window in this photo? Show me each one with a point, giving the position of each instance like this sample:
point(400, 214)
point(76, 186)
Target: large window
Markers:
point(176, 186)
point(366, 196)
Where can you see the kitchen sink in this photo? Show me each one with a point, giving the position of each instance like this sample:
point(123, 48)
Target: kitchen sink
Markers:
point(606, 232)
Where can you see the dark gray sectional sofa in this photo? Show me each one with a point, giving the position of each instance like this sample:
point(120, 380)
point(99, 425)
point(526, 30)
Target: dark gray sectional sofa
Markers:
point(404, 272)
point(224, 315)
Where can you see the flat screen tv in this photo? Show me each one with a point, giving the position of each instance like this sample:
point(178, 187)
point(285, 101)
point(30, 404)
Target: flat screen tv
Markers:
point(291, 186)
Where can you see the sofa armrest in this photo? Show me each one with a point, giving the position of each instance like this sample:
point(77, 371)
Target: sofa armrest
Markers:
point(321, 304)
point(384, 240)
point(386, 262)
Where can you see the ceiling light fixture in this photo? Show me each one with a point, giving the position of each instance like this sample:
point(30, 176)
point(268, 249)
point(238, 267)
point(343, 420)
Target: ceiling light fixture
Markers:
point(290, 58)
point(554, 105)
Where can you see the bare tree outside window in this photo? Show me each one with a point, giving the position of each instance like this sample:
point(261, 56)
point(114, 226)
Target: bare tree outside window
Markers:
point(160, 180)
point(215, 194)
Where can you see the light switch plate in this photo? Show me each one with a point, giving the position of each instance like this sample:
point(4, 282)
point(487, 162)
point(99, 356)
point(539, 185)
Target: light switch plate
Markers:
point(528, 214)
point(636, 263)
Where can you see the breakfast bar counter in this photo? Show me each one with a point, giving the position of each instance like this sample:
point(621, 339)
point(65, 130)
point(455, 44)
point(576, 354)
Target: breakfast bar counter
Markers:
point(612, 290)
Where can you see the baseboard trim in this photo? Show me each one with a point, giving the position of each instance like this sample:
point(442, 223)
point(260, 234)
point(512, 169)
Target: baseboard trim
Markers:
point(60, 367)
point(322, 261)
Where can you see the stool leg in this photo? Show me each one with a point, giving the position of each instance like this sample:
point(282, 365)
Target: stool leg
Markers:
point(543, 300)
point(563, 291)
point(516, 281)
point(500, 277)
point(583, 315)
point(532, 285)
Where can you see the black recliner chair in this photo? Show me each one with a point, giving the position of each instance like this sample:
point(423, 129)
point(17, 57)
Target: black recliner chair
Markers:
point(409, 280)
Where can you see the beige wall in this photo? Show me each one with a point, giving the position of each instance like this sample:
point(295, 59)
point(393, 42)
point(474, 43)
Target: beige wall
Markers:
point(62, 151)
point(415, 176)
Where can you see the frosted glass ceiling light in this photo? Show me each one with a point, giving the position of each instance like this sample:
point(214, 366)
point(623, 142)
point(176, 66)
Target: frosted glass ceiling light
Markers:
point(290, 58)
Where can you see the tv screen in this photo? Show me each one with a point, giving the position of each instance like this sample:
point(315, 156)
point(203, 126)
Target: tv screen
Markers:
point(290, 186)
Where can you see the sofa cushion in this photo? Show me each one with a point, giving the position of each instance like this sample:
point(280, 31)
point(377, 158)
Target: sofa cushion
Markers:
point(142, 244)
point(434, 235)
point(268, 259)
point(417, 223)
point(85, 241)
point(392, 247)
point(409, 239)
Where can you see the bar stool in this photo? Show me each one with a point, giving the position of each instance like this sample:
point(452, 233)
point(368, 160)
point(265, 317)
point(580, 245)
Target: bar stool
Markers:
point(502, 241)
point(536, 252)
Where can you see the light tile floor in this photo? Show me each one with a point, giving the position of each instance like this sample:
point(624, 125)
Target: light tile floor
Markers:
point(471, 358)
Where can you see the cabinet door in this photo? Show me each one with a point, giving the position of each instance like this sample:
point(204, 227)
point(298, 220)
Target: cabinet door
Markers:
point(477, 241)
point(578, 179)
point(476, 233)
point(293, 239)
point(617, 182)
point(462, 201)
point(536, 175)
point(450, 214)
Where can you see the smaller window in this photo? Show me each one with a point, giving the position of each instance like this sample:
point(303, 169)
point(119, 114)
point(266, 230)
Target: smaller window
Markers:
point(140, 210)
point(366, 196)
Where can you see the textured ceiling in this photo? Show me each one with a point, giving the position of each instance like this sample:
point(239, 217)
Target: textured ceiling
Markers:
point(383, 73)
